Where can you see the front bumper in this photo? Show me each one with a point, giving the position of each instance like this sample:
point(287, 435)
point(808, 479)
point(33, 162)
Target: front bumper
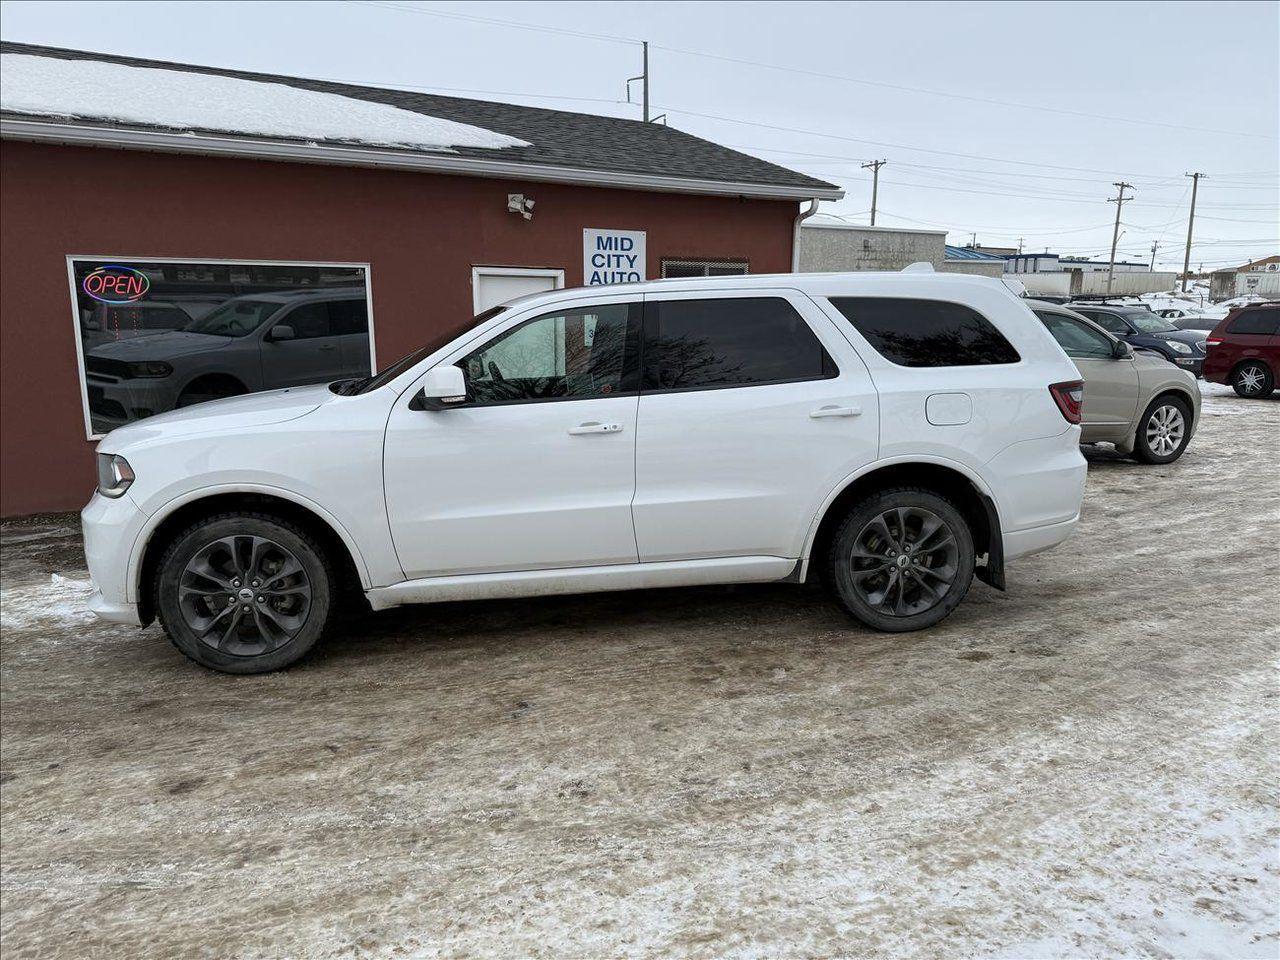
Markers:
point(111, 528)
point(1193, 365)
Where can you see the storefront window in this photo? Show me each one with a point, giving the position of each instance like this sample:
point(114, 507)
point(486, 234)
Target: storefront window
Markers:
point(156, 335)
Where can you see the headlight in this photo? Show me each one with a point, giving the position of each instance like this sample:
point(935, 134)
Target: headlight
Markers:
point(114, 474)
point(150, 368)
point(1177, 346)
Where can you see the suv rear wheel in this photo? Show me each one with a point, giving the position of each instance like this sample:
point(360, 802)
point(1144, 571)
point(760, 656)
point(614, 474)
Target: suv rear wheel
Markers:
point(1163, 431)
point(902, 559)
point(1252, 379)
point(244, 592)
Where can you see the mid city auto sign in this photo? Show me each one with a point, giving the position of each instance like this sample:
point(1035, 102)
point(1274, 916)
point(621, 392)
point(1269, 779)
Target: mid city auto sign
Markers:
point(612, 256)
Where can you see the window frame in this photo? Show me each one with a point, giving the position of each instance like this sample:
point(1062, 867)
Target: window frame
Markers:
point(831, 366)
point(631, 356)
point(1088, 325)
point(124, 260)
point(840, 316)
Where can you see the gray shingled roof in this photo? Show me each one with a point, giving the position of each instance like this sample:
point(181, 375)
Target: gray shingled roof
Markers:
point(557, 138)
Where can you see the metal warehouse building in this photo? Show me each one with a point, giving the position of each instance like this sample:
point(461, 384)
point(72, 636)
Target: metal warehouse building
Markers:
point(174, 233)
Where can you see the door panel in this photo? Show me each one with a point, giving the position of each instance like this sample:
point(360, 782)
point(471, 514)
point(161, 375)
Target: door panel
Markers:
point(537, 469)
point(313, 356)
point(1110, 398)
point(743, 470)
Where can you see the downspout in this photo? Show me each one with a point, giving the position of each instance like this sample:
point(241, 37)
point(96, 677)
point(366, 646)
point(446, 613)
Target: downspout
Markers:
point(802, 216)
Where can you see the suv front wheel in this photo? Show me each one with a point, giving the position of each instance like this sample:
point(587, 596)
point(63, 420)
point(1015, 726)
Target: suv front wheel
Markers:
point(902, 559)
point(1164, 431)
point(244, 592)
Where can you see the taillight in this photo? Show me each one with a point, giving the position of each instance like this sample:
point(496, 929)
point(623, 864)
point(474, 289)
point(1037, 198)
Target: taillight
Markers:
point(1213, 341)
point(1069, 397)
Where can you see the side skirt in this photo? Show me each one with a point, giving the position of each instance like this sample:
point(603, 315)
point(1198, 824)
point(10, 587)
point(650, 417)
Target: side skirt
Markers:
point(541, 583)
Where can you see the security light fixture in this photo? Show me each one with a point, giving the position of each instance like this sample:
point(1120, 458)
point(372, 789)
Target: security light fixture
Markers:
point(517, 203)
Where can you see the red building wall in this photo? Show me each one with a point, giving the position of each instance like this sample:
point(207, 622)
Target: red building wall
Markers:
point(421, 233)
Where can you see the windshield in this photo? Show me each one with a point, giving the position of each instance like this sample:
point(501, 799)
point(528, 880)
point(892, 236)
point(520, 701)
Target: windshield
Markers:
point(408, 360)
point(1150, 323)
point(235, 318)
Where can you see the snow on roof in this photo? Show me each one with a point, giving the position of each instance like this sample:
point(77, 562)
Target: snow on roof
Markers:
point(193, 101)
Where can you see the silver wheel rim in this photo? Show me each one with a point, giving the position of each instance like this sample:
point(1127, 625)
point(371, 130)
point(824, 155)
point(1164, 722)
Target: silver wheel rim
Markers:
point(904, 561)
point(1250, 379)
point(244, 595)
point(1165, 429)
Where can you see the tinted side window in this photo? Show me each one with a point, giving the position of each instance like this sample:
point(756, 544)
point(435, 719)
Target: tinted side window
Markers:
point(704, 344)
point(1263, 322)
point(349, 317)
point(567, 355)
point(1076, 338)
point(309, 320)
point(926, 333)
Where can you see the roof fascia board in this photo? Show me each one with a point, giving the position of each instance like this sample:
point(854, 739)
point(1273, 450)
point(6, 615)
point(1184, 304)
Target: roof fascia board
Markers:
point(328, 154)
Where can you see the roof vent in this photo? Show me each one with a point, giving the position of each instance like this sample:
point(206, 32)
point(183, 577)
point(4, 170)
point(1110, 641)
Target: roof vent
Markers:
point(920, 266)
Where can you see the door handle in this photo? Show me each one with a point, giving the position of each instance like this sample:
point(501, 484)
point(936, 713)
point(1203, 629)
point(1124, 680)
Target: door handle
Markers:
point(326, 347)
point(834, 411)
point(594, 426)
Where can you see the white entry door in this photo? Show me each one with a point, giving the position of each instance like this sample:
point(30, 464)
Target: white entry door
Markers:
point(491, 286)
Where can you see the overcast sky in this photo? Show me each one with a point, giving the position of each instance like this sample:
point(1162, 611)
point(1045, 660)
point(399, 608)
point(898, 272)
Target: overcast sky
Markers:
point(1006, 120)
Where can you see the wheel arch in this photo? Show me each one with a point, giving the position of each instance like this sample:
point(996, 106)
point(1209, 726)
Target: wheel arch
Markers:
point(956, 482)
point(216, 376)
point(181, 512)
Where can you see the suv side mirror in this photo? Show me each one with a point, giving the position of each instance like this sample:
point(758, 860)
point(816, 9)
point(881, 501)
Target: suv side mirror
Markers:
point(443, 387)
point(281, 331)
point(1121, 350)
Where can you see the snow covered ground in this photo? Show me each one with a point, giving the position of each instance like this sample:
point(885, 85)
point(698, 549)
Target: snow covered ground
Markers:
point(88, 89)
point(1085, 766)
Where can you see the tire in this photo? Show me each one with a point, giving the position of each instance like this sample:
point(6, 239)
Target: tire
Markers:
point(1164, 430)
point(866, 561)
point(1252, 379)
point(269, 628)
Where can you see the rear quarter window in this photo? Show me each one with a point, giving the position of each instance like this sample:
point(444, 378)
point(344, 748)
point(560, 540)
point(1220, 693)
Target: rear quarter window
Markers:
point(926, 333)
point(1260, 322)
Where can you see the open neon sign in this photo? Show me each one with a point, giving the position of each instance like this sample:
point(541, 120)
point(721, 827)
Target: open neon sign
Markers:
point(116, 284)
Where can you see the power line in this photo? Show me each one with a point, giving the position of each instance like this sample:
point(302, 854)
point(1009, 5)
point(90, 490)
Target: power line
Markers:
point(991, 101)
point(800, 71)
point(494, 21)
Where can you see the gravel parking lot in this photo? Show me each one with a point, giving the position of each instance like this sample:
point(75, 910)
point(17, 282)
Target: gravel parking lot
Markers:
point(1088, 764)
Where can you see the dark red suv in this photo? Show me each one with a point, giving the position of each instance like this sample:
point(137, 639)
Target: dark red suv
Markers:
point(1244, 350)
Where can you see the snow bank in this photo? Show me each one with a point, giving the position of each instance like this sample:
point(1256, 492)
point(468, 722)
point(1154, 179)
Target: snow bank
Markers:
point(94, 90)
point(59, 603)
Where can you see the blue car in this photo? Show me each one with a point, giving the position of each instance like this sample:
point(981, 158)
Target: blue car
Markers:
point(1143, 330)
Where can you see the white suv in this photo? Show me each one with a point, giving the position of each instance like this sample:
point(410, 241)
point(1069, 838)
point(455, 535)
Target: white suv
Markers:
point(893, 434)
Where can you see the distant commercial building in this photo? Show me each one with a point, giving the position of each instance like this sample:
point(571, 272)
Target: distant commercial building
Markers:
point(829, 244)
point(972, 260)
point(1257, 277)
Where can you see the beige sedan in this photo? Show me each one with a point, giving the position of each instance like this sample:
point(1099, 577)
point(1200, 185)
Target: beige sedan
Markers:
point(1137, 400)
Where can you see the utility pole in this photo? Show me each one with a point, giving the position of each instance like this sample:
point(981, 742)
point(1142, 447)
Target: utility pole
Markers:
point(1155, 245)
point(973, 242)
point(645, 46)
point(874, 166)
point(1020, 246)
point(1118, 200)
point(644, 78)
point(1186, 261)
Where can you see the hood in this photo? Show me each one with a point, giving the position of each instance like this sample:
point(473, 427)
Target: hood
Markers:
point(162, 346)
point(233, 413)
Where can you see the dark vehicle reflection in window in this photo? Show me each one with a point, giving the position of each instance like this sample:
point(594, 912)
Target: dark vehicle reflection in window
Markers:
point(153, 355)
point(108, 322)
